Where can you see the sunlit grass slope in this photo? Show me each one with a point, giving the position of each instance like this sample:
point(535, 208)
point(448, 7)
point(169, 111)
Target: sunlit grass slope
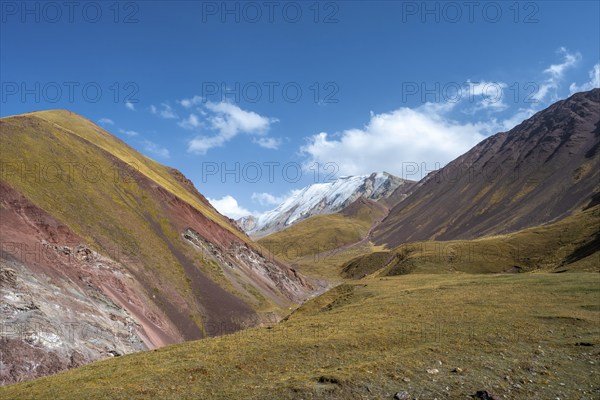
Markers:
point(321, 243)
point(68, 122)
point(90, 181)
point(518, 335)
point(569, 244)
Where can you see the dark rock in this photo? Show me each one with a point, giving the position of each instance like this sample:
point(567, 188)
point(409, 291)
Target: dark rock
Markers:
point(329, 379)
point(8, 277)
point(402, 395)
point(484, 395)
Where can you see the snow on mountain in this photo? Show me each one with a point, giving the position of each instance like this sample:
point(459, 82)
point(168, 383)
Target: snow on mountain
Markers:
point(325, 198)
point(246, 223)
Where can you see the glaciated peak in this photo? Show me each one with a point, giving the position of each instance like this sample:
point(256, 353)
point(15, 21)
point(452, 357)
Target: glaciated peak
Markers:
point(326, 198)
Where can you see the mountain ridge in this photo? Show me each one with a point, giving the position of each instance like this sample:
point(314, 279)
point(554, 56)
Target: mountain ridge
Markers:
point(326, 198)
point(541, 170)
point(151, 262)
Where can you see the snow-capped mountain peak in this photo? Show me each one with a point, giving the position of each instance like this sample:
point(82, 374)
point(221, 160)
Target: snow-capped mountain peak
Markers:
point(325, 198)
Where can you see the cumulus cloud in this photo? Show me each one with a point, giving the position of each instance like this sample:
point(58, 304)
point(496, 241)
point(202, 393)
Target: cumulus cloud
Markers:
point(192, 101)
point(155, 149)
point(594, 81)
point(390, 140)
point(486, 95)
point(555, 73)
point(106, 121)
point(130, 106)
point(201, 144)
point(267, 199)
point(268, 142)
point(228, 120)
point(165, 111)
point(228, 205)
point(191, 122)
point(129, 133)
point(426, 135)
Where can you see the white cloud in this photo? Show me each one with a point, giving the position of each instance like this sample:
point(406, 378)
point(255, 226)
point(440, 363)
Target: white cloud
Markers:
point(594, 81)
point(555, 74)
point(426, 135)
point(128, 132)
point(165, 112)
point(487, 95)
point(130, 106)
point(193, 101)
point(390, 140)
point(106, 121)
point(229, 206)
point(267, 199)
point(570, 60)
point(268, 142)
point(191, 122)
point(155, 149)
point(201, 144)
point(228, 120)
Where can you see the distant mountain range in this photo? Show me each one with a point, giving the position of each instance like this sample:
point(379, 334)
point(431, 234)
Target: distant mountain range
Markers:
point(538, 172)
point(325, 198)
point(533, 192)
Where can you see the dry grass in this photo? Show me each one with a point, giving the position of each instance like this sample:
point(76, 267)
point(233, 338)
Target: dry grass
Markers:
point(68, 122)
point(570, 244)
point(515, 335)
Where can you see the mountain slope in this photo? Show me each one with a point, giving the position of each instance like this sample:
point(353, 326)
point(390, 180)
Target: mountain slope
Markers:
point(521, 336)
point(325, 232)
point(122, 246)
point(328, 198)
point(541, 170)
point(571, 244)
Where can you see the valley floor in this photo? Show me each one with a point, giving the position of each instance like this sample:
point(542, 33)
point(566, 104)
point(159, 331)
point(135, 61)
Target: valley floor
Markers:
point(445, 336)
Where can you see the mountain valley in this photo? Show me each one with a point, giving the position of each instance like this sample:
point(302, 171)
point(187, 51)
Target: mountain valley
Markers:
point(483, 276)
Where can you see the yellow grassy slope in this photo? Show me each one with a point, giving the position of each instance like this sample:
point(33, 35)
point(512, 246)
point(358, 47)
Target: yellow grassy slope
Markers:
point(370, 341)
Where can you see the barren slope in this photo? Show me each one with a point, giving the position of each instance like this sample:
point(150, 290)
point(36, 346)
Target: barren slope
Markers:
point(541, 170)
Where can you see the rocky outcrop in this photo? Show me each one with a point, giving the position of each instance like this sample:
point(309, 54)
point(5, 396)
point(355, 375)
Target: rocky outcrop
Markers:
point(51, 324)
point(247, 223)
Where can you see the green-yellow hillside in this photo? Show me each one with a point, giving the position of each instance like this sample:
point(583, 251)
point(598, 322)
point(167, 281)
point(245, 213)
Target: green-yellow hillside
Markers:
point(74, 124)
point(374, 339)
point(322, 233)
point(81, 175)
point(571, 243)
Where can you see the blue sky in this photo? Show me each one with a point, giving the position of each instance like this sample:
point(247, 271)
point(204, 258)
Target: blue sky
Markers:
point(253, 100)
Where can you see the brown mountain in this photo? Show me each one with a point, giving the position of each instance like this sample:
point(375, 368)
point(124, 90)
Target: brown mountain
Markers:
point(106, 252)
point(540, 171)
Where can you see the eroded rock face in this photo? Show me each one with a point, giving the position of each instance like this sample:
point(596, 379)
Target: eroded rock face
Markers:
point(50, 324)
point(247, 223)
point(265, 274)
